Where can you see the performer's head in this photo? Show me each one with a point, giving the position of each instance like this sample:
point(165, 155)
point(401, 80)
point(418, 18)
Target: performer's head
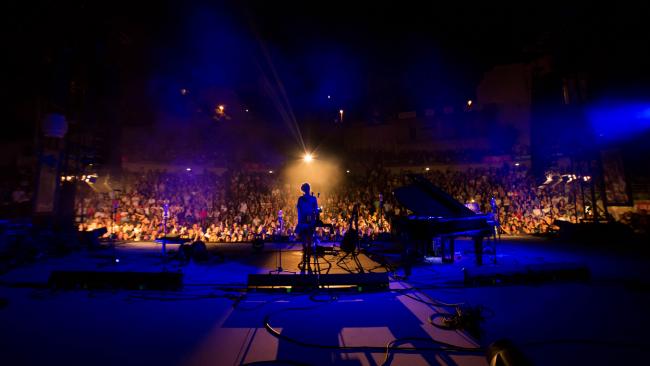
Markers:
point(305, 188)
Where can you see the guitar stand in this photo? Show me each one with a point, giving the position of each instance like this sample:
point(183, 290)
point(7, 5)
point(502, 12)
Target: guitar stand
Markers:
point(355, 258)
point(354, 253)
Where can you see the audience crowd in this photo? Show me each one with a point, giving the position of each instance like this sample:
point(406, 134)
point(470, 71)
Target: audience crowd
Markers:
point(240, 206)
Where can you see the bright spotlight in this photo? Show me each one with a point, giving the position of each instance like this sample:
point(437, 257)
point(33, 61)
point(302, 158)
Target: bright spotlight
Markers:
point(427, 169)
point(189, 169)
point(270, 171)
point(308, 157)
point(347, 171)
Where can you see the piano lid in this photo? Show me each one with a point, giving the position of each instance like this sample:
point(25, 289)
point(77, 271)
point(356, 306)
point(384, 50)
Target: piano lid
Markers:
point(425, 199)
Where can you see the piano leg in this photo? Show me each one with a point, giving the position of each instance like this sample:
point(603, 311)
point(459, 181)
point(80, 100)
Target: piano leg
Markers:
point(478, 249)
point(448, 249)
point(407, 258)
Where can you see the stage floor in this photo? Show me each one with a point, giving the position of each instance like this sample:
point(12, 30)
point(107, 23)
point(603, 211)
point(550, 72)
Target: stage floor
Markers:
point(216, 320)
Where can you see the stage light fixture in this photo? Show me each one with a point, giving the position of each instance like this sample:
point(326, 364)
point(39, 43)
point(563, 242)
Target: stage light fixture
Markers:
point(308, 157)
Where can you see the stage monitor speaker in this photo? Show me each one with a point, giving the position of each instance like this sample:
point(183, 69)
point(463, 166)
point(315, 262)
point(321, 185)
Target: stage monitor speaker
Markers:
point(200, 251)
point(90, 239)
point(362, 281)
point(104, 280)
point(258, 244)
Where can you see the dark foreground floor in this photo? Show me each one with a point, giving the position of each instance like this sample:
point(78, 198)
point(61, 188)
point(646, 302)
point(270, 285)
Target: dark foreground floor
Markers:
point(215, 320)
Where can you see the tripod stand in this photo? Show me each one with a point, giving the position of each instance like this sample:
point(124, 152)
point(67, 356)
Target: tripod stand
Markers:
point(350, 246)
point(350, 242)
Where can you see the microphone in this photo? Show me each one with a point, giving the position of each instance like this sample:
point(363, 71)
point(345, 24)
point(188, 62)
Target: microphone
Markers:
point(166, 211)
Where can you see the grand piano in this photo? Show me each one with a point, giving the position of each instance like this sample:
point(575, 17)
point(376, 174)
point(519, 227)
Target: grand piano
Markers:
point(436, 216)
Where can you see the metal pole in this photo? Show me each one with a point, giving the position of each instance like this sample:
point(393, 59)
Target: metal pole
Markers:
point(165, 217)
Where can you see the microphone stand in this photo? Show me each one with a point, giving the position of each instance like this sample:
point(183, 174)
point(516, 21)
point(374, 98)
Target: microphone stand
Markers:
point(496, 234)
point(278, 259)
point(165, 217)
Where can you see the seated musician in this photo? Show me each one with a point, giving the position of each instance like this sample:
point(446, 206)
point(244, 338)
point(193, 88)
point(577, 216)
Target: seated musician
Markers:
point(307, 217)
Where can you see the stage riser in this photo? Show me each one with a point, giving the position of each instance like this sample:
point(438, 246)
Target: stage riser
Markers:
point(100, 280)
point(526, 274)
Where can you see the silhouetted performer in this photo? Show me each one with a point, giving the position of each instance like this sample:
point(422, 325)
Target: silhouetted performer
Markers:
point(307, 217)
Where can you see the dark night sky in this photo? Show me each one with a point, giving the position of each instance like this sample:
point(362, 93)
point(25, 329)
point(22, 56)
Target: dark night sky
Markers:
point(385, 54)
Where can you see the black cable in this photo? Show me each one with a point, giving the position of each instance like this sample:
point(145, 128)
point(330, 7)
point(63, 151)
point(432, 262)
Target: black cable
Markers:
point(275, 362)
point(382, 262)
point(331, 298)
point(312, 296)
point(389, 346)
point(432, 302)
point(444, 346)
point(239, 307)
point(466, 318)
point(443, 326)
point(594, 342)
